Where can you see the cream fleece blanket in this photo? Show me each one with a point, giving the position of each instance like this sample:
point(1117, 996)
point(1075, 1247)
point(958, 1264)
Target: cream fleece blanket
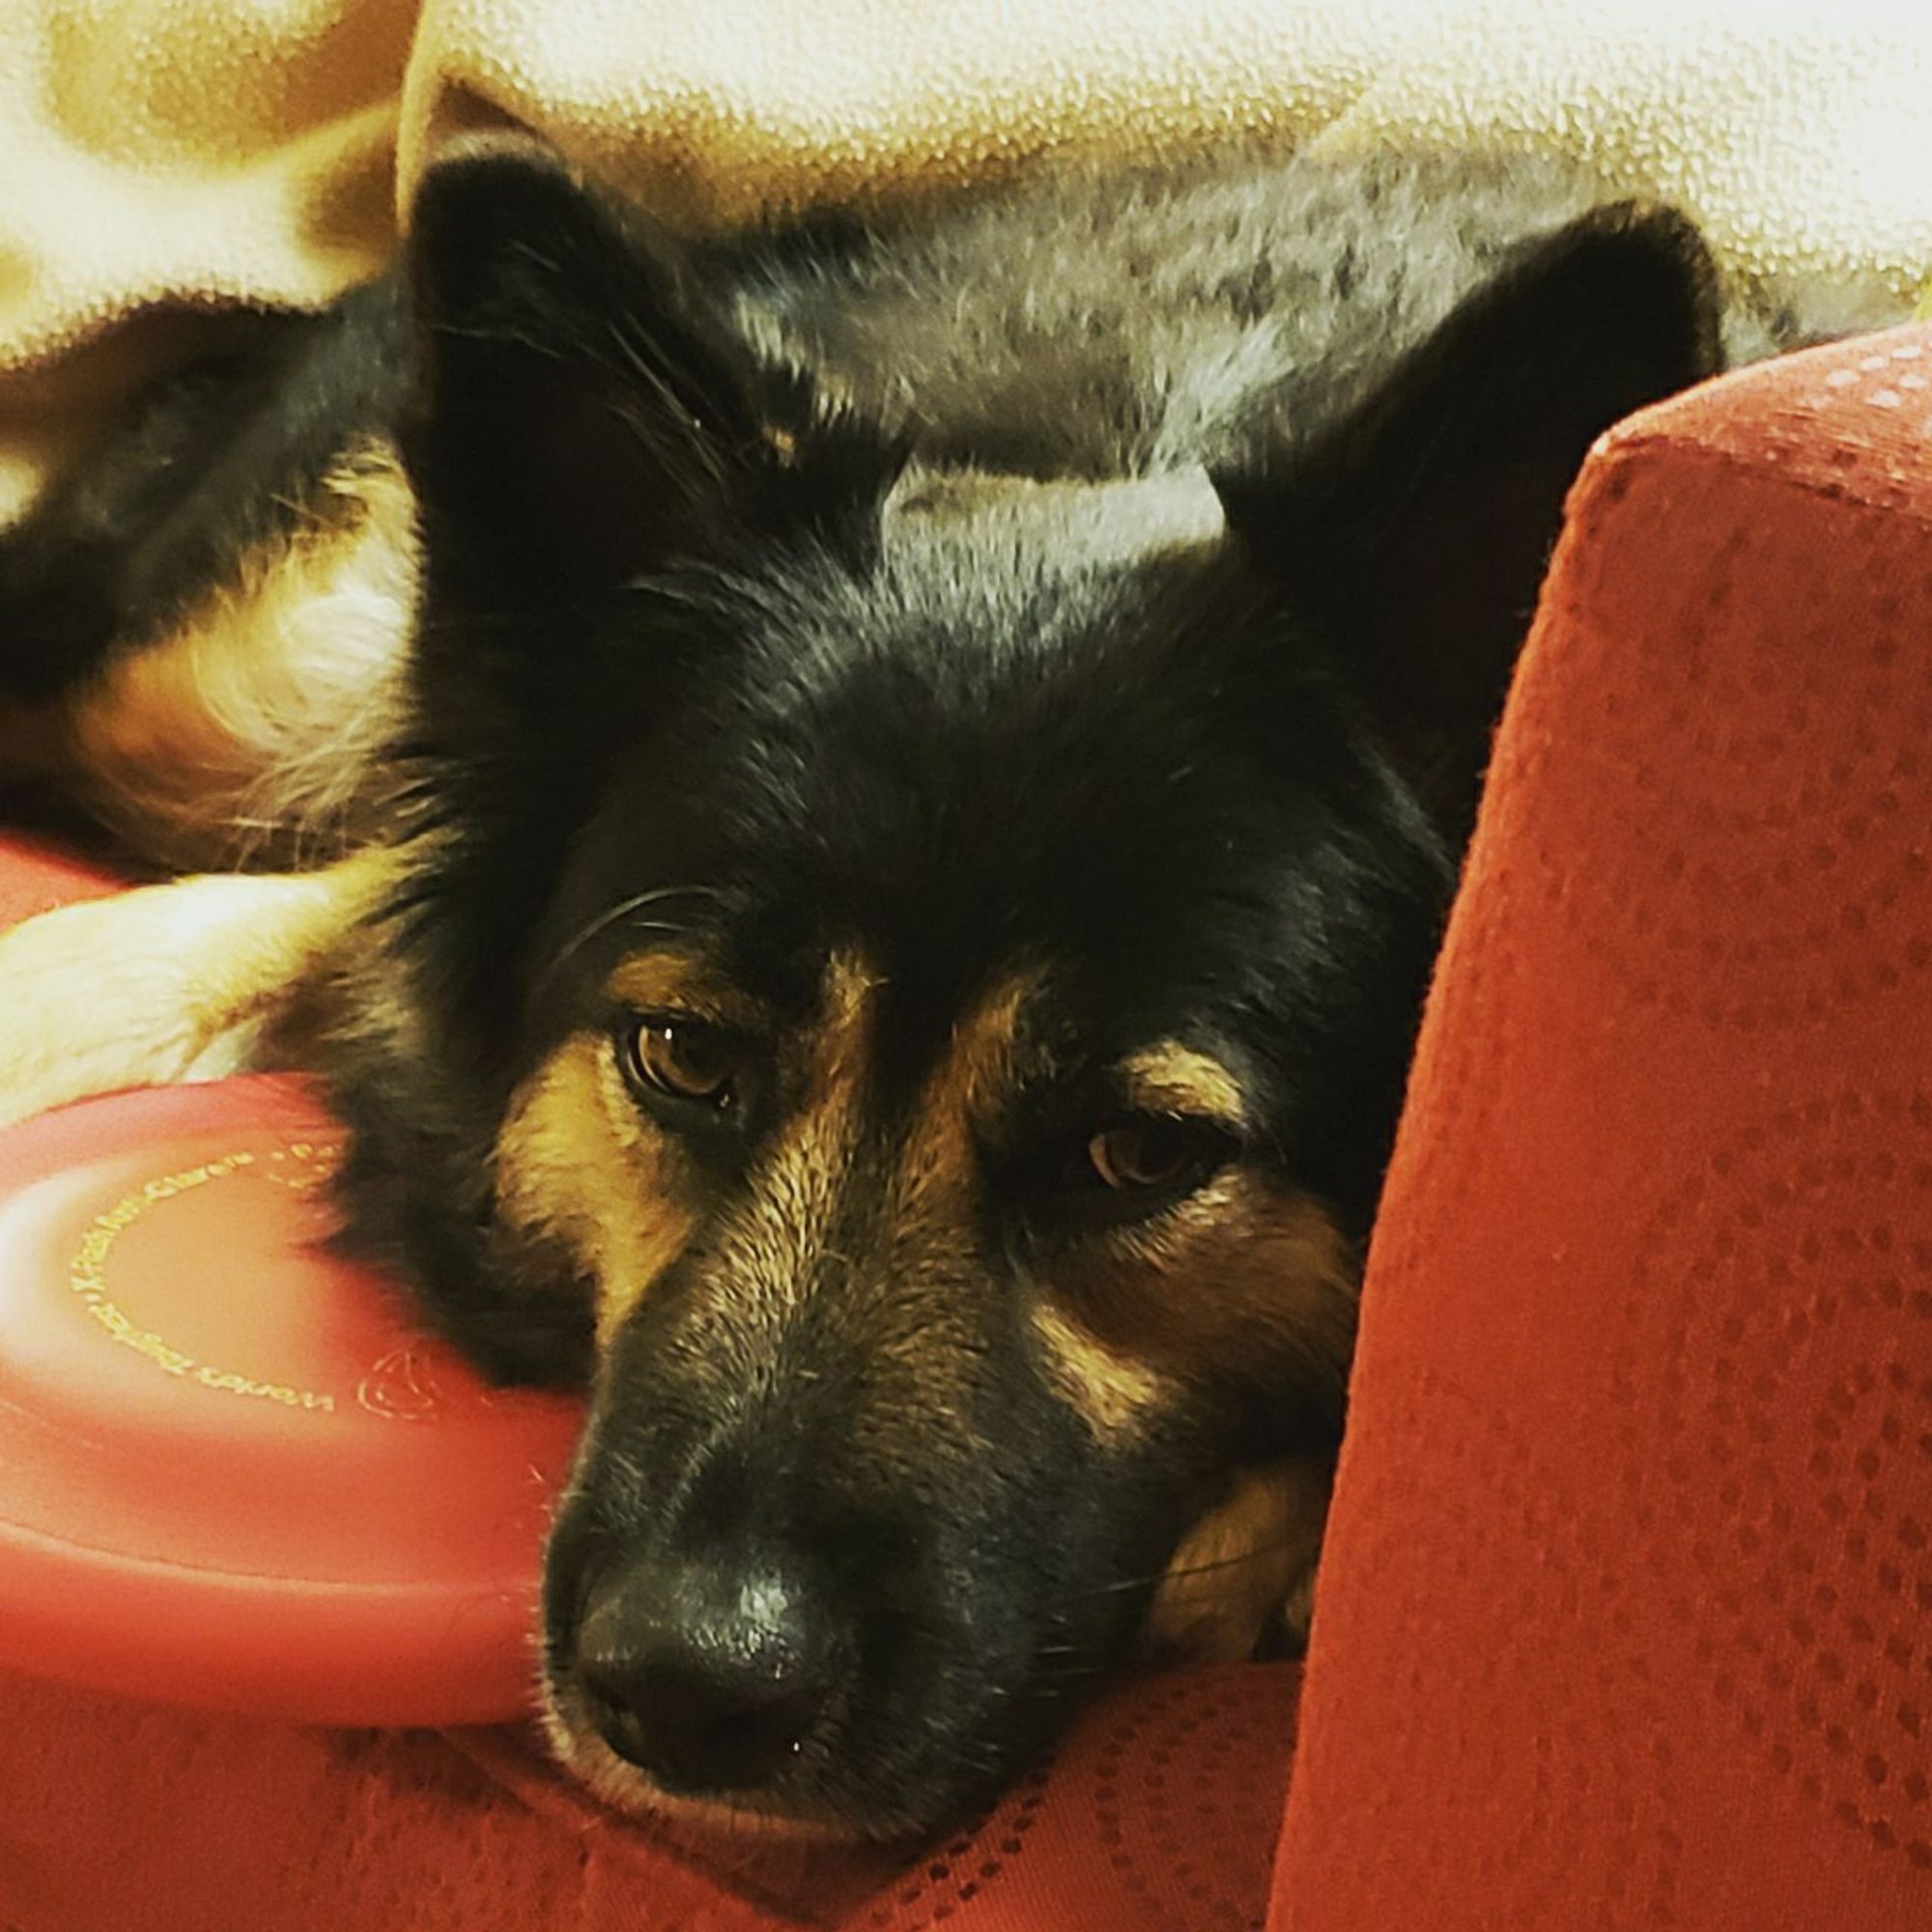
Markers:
point(162, 154)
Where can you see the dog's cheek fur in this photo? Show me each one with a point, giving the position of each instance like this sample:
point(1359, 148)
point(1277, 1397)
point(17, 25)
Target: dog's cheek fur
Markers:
point(415, 1193)
point(1247, 1284)
point(575, 1164)
point(1231, 1317)
point(1112, 1392)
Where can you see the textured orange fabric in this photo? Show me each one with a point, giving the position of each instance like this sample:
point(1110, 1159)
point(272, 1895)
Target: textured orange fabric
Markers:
point(1627, 1618)
point(1160, 1813)
point(36, 876)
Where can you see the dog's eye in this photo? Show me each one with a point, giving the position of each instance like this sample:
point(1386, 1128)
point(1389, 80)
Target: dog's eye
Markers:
point(1153, 1155)
point(682, 1059)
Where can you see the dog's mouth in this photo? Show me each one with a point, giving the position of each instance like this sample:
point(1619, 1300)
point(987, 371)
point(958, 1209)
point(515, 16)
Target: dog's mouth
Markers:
point(826, 1785)
point(782, 1809)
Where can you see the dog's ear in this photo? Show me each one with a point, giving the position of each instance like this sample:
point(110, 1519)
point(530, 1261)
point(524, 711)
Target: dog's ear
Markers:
point(581, 418)
point(1416, 526)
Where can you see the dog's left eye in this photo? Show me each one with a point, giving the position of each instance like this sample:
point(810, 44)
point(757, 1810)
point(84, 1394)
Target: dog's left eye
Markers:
point(682, 1060)
point(1151, 1155)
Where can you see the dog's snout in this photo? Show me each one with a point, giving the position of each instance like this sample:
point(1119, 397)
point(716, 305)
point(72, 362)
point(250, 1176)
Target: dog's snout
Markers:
point(708, 1674)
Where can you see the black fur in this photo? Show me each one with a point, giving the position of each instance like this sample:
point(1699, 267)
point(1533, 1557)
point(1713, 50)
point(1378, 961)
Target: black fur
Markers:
point(210, 462)
point(718, 610)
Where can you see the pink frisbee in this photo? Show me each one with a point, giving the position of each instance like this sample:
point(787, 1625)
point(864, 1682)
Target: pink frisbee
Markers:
point(232, 1474)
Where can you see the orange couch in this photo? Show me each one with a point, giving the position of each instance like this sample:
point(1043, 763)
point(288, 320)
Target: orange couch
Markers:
point(1626, 1616)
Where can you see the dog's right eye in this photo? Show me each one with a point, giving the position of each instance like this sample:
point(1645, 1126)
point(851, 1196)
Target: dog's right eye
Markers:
point(682, 1059)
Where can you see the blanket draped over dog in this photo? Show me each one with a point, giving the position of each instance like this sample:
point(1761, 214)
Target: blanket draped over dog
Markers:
point(161, 155)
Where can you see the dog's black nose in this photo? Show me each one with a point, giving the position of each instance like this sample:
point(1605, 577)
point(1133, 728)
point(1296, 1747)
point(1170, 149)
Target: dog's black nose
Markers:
point(706, 1675)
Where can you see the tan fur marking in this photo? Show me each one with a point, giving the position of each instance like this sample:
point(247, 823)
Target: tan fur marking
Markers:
point(1243, 1561)
point(839, 1053)
point(1175, 1079)
point(577, 1164)
point(794, 1196)
point(675, 982)
point(976, 1076)
point(1240, 1282)
point(1109, 1391)
point(172, 983)
point(1242, 1279)
point(254, 728)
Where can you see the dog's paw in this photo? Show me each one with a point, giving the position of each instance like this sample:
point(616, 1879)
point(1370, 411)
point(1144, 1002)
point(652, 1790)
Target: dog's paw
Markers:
point(1242, 1580)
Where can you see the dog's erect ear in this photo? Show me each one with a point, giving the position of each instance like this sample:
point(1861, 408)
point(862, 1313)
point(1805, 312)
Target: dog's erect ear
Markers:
point(581, 419)
point(1416, 526)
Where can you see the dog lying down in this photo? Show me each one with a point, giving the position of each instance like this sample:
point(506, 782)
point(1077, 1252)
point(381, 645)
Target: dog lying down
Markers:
point(855, 818)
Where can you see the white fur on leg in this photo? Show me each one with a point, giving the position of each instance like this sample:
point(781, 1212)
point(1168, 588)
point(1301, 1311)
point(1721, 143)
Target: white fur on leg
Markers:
point(165, 983)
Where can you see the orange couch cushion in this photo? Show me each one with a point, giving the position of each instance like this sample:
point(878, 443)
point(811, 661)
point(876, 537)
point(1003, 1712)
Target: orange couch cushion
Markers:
point(1626, 1612)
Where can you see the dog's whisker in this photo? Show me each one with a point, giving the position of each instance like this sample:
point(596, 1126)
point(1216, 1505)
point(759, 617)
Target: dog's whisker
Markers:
point(622, 912)
point(1152, 1580)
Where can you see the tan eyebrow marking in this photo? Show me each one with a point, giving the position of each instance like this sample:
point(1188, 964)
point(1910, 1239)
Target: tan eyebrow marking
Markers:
point(1169, 1078)
point(842, 1042)
point(978, 1070)
point(982, 1060)
point(682, 981)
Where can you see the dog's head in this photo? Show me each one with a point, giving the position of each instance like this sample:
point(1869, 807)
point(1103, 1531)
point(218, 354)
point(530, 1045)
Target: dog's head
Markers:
point(939, 954)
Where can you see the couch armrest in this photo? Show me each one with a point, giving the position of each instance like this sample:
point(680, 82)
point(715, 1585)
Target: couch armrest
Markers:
point(1627, 1613)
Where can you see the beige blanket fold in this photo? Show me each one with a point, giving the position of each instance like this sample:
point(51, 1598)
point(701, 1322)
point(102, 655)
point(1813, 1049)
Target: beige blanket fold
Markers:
point(170, 154)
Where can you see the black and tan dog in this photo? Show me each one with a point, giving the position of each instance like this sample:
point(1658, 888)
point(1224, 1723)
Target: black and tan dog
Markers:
point(856, 821)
